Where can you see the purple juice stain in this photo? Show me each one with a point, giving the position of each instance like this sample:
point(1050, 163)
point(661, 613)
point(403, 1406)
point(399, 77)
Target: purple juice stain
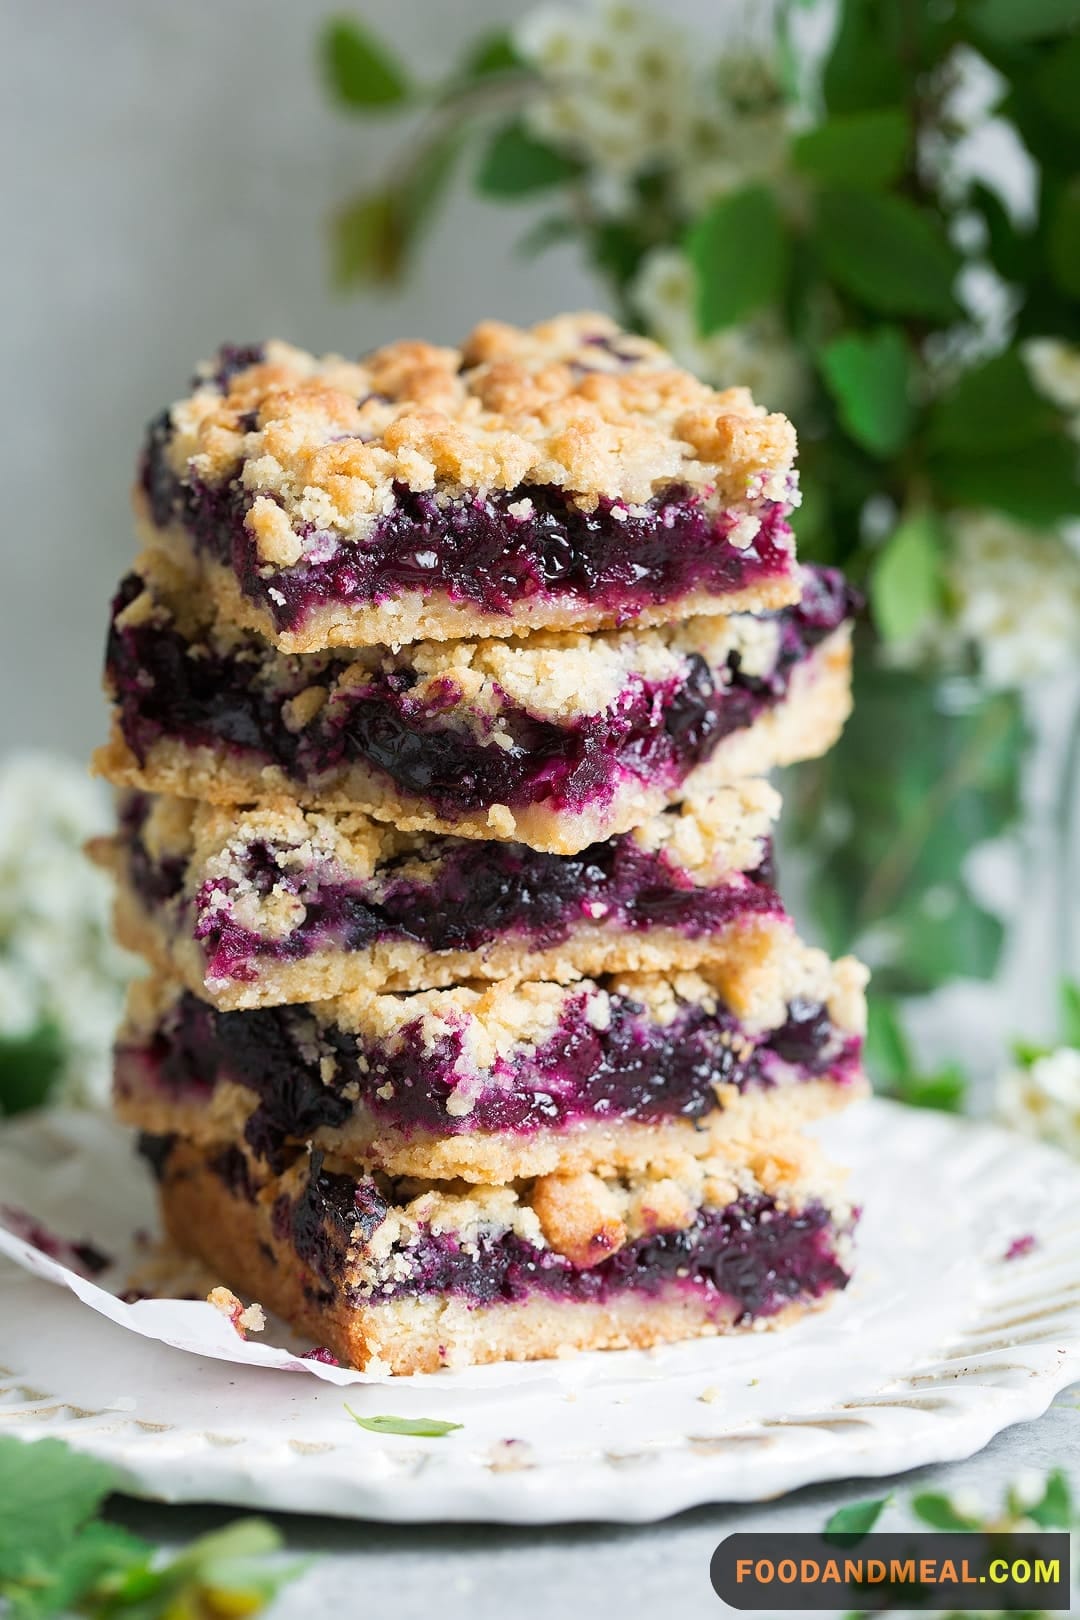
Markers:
point(81, 1256)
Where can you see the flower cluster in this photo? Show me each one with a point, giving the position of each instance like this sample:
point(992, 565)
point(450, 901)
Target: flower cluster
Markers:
point(624, 92)
point(1054, 367)
point(59, 969)
point(1041, 1098)
point(1016, 597)
point(877, 242)
point(615, 85)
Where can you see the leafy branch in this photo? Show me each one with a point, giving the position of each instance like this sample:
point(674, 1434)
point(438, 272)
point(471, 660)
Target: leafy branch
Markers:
point(856, 241)
point(59, 1556)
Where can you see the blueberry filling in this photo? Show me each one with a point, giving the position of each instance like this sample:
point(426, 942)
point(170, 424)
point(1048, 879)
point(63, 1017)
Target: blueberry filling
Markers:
point(655, 732)
point(156, 1150)
point(489, 551)
point(632, 1069)
point(751, 1253)
point(156, 879)
point(476, 895)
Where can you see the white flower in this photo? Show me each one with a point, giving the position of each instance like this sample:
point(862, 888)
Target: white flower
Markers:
point(616, 80)
point(729, 145)
point(1016, 597)
point(756, 354)
point(1027, 1488)
point(1054, 368)
point(1044, 1099)
point(58, 962)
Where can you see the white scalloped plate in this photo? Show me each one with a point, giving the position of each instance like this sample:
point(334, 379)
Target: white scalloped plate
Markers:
point(938, 1344)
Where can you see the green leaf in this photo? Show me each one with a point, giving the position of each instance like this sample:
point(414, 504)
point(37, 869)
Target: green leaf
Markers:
point(492, 53)
point(1028, 1052)
point(945, 1089)
point(225, 1572)
point(47, 1492)
point(1070, 1012)
point(887, 253)
point(425, 1428)
point(30, 1066)
point(739, 254)
point(1035, 485)
point(616, 249)
point(886, 1052)
point(516, 164)
point(906, 583)
point(863, 69)
point(1057, 84)
point(869, 377)
point(1016, 22)
point(242, 1539)
point(100, 1562)
point(372, 236)
point(1013, 252)
point(856, 149)
point(1063, 235)
point(989, 409)
point(1055, 1511)
point(56, 1558)
point(425, 184)
point(359, 70)
point(944, 934)
point(936, 1510)
point(858, 1518)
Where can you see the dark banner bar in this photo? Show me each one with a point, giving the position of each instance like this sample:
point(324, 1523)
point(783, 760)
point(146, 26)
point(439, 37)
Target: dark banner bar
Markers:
point(917, 1569)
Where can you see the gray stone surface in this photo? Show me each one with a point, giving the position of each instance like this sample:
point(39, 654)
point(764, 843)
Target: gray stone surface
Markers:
point(655, 1572)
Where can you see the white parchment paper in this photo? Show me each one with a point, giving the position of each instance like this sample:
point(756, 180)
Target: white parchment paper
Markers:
point(72, 1178)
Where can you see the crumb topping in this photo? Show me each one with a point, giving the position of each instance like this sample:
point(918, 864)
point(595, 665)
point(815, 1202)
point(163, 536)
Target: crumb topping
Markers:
point(705, 837)
point(244, 1318)
point(575, 402)
point(585, 1216)
point(554, 675)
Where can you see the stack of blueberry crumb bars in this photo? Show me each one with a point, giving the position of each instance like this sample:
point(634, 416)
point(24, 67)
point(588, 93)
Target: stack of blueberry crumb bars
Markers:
point(444, 693)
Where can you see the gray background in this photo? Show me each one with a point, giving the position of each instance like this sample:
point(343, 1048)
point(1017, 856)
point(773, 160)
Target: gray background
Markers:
point(174, 166)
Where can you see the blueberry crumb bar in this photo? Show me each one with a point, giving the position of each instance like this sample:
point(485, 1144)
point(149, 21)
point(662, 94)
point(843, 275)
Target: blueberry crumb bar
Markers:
point(256, 907)
point(557, 740)
point(443, 693)
point(406, 1276)
point(497, 1081)
point(564, 477)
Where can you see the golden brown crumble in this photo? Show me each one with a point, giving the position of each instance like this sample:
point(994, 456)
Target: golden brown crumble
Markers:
point(573, 402)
